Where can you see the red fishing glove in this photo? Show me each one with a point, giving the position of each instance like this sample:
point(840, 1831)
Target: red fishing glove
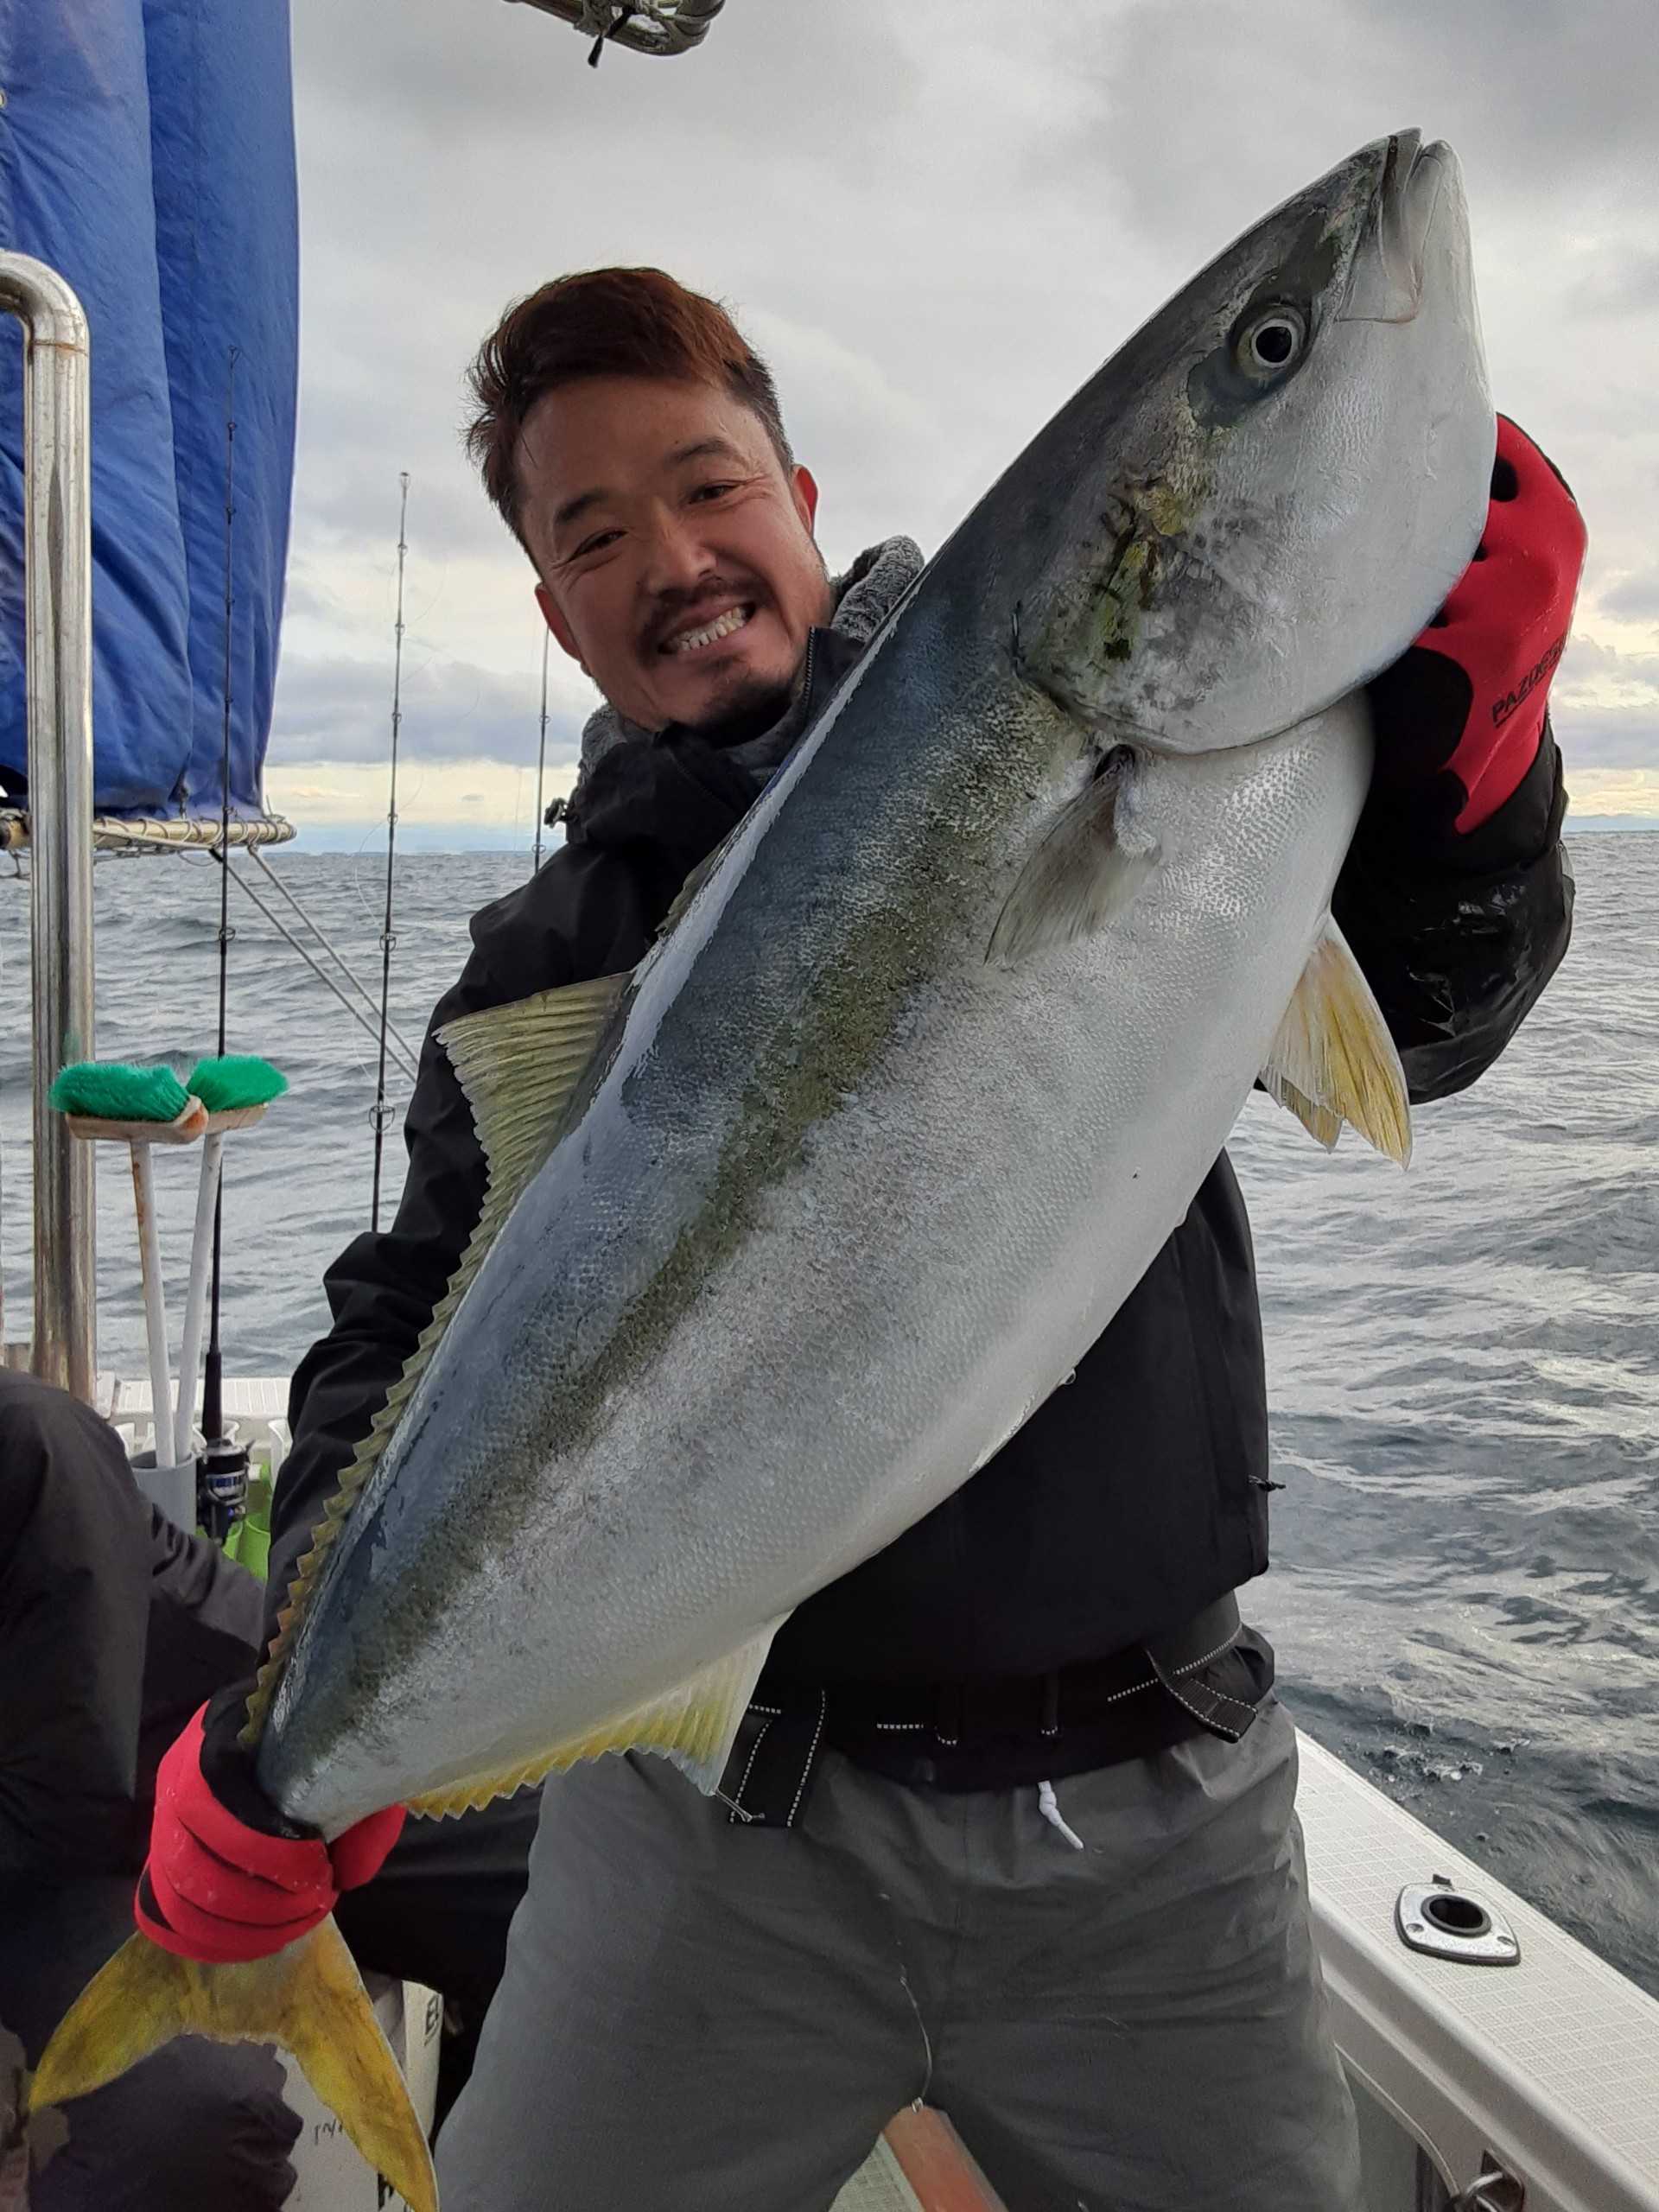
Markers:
point(227, 1879)
point(1459, 717)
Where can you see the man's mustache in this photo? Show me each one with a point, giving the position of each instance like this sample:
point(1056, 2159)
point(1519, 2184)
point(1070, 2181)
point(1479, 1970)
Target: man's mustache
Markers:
point(671, 610)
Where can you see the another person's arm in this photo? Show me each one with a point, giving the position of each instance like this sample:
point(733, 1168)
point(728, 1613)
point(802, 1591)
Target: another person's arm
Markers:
point(74, 1608)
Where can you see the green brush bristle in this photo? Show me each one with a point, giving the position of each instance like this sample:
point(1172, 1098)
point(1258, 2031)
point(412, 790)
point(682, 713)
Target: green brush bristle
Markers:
point(239, 1079)
point(108, 1090)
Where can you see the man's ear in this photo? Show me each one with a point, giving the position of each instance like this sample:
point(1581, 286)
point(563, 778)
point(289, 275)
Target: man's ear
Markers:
point(560, 629)
point(803, 490)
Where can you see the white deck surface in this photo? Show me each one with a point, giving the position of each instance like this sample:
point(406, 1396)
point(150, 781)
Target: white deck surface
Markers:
point(1553, 2062)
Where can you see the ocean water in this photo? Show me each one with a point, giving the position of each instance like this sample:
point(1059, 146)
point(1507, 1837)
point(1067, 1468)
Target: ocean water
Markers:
point(1464, 1375)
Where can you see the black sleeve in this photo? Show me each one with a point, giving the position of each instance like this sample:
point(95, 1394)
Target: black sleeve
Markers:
point(1459, 936)
point(382, 1289)
point(74, 1608)
point(206, 1616)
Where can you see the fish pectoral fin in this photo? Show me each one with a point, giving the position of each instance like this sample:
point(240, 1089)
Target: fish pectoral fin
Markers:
point(694, 1725)
point(309, 1998)
point(519, 1064)
point(1333, 1060)
point(1087, 868)
point(1320, 1122)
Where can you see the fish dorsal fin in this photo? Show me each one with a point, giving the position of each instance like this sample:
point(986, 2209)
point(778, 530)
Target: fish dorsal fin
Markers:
point(1088, 867)
point(516, 1065)
point(694, 882)
point(694, 1724)
point(1333, 1060)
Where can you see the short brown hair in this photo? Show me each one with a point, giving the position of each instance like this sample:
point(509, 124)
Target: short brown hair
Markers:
point(603, 322)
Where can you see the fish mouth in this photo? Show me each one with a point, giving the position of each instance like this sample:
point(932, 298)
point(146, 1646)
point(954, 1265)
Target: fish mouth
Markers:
point(1386, 284)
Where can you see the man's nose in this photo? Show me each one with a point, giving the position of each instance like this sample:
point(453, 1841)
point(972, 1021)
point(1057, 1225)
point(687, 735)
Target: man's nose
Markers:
point(678, 558)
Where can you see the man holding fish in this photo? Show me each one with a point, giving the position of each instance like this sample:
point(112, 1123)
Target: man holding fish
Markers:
point(854, 1387)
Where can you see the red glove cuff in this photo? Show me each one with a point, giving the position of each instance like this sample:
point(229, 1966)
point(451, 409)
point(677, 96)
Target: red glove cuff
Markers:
point(360, 1851)
point(1506, 622)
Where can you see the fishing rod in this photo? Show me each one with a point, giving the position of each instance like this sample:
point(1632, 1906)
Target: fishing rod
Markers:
point(213, 1411)
point(541, 756)
point(222, 1476)
point(387, 940)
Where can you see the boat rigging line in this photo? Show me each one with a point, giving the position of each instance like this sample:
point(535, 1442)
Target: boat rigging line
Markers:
point(382, 1112)
point(397, 1045)
point(407, 1054)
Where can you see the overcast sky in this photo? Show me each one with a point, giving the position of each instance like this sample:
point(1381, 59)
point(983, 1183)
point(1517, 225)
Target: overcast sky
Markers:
point(935, 217)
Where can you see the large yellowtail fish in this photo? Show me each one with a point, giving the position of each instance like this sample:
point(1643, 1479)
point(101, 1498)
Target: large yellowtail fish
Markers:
point(791, 1229)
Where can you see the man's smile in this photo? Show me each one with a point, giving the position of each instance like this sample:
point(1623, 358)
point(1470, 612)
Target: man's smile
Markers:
point(706, 632)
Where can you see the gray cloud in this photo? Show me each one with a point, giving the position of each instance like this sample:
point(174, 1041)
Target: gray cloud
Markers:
point(1612, 282)
point(1589, 660)
point(1631, 598)
point(936, 220)
point(834, 81)
point(839, 189)
point(1606, 707)
point(1605, 737)
point(341, 710)
point(1212, 110)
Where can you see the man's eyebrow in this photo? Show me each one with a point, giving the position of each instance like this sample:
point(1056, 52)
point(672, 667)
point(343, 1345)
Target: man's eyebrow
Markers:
point(579, 505)
point(699, 449)
point(702, 449)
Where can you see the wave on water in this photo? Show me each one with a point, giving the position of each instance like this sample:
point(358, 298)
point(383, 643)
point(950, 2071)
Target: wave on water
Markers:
point(1463, 1368)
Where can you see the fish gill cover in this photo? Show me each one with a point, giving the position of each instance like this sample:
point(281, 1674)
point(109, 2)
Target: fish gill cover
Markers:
point(147, 154)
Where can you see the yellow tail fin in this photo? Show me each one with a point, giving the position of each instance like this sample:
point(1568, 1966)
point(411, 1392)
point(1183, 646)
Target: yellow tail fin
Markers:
point(308, 1998)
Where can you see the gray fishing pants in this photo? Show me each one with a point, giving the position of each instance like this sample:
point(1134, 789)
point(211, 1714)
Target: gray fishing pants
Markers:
point(698, 2019)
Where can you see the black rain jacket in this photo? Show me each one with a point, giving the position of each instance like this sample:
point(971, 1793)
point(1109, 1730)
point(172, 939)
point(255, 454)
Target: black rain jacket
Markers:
point(1137, 1494)
point(114, 1627)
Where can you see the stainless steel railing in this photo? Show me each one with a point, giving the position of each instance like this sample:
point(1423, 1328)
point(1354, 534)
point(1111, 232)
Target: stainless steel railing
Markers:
point(58, 631)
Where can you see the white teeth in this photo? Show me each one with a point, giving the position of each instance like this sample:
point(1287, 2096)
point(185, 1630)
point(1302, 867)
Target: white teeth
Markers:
point(690, 641)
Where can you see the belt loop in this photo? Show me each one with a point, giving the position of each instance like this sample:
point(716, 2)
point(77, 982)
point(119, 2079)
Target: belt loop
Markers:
point(1228, 1717)
point(947, 1713)
point(1050, 1720)
point(774, 1760)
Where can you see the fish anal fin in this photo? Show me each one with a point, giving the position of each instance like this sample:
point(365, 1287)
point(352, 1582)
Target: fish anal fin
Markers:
point(1333, 1060)
point(694, 1725)
point(309, 1998)
point(1087, 868)
point(516, 1065)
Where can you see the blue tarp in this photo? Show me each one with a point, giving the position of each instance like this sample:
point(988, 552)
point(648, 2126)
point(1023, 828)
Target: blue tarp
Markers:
point(147, 154)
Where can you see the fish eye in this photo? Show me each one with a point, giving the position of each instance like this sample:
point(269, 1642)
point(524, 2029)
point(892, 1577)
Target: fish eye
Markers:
point(1272, 341)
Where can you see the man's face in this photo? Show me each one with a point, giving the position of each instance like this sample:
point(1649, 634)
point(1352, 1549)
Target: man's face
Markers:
point(676, 556)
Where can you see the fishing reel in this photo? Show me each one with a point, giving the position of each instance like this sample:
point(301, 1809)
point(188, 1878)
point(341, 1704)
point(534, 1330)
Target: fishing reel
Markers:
point(221, 1486)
